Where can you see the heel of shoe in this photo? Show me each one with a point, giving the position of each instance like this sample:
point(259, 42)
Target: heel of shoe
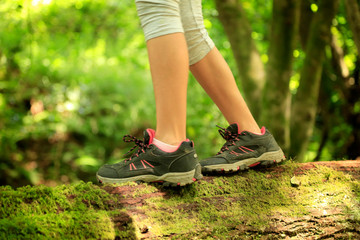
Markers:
point(182, 178)
point(198, 175)
point(271, 158)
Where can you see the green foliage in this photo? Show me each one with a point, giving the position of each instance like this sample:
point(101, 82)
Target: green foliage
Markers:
point(74, 78)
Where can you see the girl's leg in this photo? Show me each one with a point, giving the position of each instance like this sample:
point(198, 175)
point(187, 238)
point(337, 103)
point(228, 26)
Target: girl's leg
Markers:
point(169, 70)
point(243, 149)
point(169, 64)
point(211, 70)
point(215, 76)
point(157, 159)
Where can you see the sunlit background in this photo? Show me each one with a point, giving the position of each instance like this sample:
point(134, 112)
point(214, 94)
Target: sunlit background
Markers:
point(74, 78)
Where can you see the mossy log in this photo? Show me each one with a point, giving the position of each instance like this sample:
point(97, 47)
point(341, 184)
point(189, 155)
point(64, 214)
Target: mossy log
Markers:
point(292, 201)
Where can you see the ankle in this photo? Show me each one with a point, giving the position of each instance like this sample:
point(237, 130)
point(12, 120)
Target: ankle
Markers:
point(165, 146)
point(253, 128)
point(171, 139)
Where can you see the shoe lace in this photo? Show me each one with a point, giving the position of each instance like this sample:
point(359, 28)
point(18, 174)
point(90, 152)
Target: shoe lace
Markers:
point(230, 138)
point(142, 146)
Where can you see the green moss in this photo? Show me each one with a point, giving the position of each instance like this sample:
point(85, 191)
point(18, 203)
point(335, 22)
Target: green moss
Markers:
point(206, 209)
point(125, 228)
point(63, 212)
point(67, 225)
point(250, 198)
point(43, 200)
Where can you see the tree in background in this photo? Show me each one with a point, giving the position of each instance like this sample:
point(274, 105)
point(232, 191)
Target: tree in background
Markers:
point(276, 94)
point(305, 101)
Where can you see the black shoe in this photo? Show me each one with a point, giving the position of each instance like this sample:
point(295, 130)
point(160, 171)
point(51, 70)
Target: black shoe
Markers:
point(151, 164)
point(243, 150)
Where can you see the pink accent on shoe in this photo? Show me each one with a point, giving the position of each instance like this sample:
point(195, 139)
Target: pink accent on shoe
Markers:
point(254, 164)
point(242, 149)
point(263, 130)
point(133, 165)
point(235, 153)
point(148, 163)
point(247, 148)
point(238, 128)
point(151, 133)
point(143, 163)
point(130, 166)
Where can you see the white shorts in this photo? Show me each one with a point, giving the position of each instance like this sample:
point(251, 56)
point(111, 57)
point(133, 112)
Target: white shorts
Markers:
point(162, 17)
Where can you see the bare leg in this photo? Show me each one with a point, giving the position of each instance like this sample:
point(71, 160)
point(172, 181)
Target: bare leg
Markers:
point(215, 76)
point(169, 66)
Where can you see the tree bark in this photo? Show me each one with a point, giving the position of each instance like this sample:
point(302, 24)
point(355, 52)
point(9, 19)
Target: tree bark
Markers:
point(291, 201)
point(326, 108)
point(323, 219)
point(305, 101)
point(249, 64)
point(353, 17)
point(306, 16)
point(277, 96)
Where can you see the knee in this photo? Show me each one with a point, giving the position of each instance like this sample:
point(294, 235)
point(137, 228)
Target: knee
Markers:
point(199, 45)
point(197, 38)
point(159, 17)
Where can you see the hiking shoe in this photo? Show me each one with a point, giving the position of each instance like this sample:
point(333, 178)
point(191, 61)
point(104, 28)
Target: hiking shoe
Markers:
point(151, 164)
point(243, 150)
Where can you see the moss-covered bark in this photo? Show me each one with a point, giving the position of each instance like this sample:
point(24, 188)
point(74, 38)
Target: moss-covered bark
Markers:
point(251, 205)
point(78, 211)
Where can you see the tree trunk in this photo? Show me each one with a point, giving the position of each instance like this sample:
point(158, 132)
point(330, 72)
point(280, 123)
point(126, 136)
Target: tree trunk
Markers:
point(249, 64)
point(326, 108)
point(277, 97)
point(353, 17)
point(306, 16)
point(305, 102)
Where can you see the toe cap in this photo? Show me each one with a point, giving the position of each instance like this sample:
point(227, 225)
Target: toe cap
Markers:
point(107, 171)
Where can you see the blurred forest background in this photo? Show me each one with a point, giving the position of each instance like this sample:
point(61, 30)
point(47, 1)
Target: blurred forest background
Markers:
point(74, 78)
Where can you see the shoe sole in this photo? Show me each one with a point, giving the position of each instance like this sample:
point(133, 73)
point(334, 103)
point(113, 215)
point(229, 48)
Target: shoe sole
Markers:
point(266, 159)
point(169, 179)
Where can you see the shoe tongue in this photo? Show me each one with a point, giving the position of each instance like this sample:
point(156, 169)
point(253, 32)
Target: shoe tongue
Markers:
point(149, 135)
point(233, 128)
